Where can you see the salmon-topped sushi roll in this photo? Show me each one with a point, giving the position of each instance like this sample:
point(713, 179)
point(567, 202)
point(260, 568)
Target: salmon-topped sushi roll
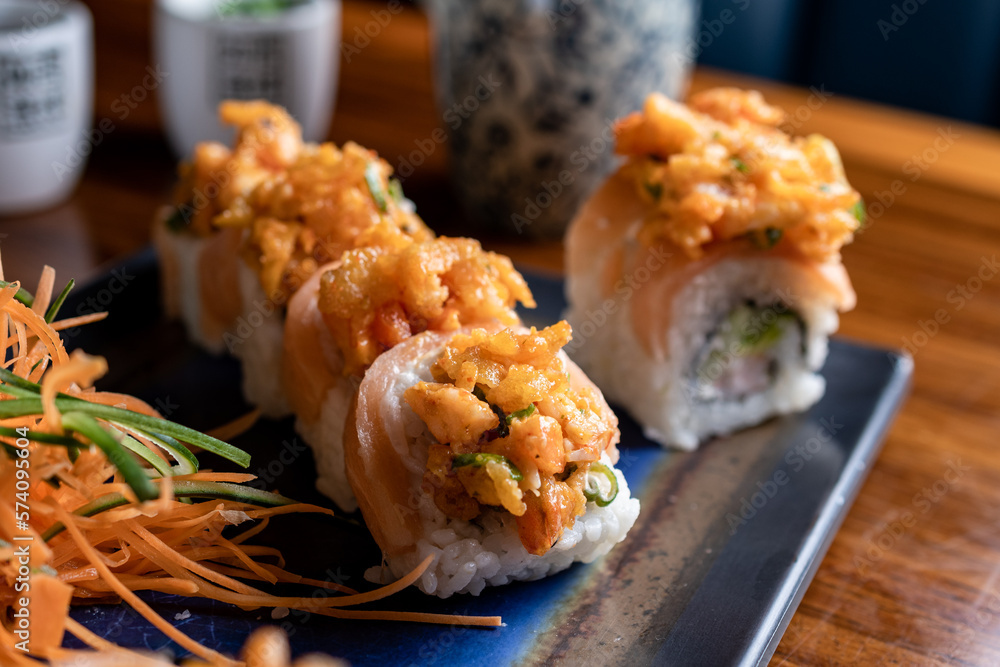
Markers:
point(704, 278)
point(252, 223)
point(366, 303)
point(490, 450)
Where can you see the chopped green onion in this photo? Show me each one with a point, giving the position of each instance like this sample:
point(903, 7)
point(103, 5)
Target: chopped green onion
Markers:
point(396, 191)
point(859, 211)
point(133, 474)
point(521, 414)
point(53, 310)
point(374, 180)
point(601, 486)
point(655, 190)
point(480, 459)
point(740, 165)
point(766, 238)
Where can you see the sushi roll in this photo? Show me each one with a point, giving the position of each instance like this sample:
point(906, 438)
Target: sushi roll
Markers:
point(490, 451)
point(367, 302)
point(252, 223)
point(704, 277)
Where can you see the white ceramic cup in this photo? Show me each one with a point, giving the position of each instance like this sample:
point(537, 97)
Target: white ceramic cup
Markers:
point(46, 101)
point(288, 58)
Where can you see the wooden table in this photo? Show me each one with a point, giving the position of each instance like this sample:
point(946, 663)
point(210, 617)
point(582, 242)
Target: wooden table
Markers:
point(913, 576)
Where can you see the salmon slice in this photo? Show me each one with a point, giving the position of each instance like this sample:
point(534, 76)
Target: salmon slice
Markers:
point(604, 255)
point(309, 366)
point(381, 467)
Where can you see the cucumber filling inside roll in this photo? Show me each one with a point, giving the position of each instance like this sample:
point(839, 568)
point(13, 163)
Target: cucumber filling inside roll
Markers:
point(743, 355)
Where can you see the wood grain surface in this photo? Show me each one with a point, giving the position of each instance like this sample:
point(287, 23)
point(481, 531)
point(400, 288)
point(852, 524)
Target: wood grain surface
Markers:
point(913, 577)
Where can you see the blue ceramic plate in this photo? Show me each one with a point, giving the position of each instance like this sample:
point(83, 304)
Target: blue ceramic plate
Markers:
point(726, 543)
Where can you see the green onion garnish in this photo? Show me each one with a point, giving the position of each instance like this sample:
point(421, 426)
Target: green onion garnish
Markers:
point(521, 414)
point(53, 310)
point(601, 486)
point(740, 165)
point(859, 211)
point(374, 180)
point(480, 459)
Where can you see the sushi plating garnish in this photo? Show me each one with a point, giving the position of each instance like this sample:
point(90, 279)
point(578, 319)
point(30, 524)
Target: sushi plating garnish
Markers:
point(512, 433)
point(722, 168)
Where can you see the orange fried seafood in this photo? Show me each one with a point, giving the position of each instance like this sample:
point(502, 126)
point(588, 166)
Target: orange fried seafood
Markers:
point(490, 451)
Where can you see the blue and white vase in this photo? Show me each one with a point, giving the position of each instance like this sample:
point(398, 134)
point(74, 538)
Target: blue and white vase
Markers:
point(529, 90)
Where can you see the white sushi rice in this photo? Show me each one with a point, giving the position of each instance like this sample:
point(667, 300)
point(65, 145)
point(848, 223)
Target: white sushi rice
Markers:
point(325, 437)
point(257, 336)
point(471, 555)
point(660, 393)
point(185, 250)
point(257, 340)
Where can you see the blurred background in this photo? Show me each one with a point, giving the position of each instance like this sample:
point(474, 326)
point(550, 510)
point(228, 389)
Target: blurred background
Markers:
point(921, 55)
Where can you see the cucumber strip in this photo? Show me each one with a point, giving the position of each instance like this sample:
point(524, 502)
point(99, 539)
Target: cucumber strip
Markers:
point(29, 404)
point(131, 471)
point(187, 463)
point(160, 468)
point(43, 438)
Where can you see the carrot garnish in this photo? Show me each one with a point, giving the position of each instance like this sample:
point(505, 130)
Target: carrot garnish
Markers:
point(118, 504)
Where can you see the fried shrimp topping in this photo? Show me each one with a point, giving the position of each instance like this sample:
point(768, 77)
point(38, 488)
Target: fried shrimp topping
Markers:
point(302, 204)
point(378, 297)
point(512, 433)
point(721, 168)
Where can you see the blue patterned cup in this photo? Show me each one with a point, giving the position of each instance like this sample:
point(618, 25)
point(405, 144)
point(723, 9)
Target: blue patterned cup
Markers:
point(529, 91)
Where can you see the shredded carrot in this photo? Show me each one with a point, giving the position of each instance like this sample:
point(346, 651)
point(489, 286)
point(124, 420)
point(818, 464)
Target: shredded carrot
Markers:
point(80, 320)
point(162, 544)
point(91, 554)
point(43, 295)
